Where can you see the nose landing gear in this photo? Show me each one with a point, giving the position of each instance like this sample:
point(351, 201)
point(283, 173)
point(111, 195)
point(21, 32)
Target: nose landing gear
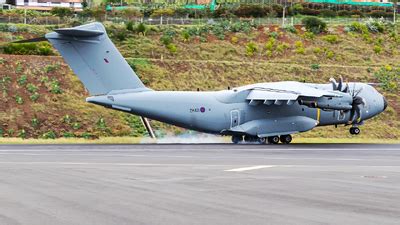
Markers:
point(355, 130)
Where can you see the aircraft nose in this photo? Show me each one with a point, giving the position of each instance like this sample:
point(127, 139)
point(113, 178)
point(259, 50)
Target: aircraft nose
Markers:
point(385, 103)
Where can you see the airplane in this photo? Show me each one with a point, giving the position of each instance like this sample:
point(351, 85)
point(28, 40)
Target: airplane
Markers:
point(261, 112)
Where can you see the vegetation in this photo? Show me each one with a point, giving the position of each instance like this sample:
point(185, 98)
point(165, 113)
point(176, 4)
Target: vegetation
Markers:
point(314, 24)
point(209, 57)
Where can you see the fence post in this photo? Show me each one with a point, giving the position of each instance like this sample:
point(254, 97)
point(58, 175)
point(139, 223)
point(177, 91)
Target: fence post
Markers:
point(161, 20)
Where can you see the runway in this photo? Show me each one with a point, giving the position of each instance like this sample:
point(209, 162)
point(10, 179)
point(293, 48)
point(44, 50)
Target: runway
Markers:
point(200, 184)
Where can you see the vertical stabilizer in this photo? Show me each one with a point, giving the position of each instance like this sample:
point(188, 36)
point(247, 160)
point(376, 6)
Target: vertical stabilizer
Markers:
point(95, 59)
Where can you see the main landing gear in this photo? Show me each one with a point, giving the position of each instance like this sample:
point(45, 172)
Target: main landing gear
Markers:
point(284, 139)
point(355, 130)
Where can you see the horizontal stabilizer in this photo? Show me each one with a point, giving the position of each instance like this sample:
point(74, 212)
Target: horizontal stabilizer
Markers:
point(76, 32)
point(39, 39)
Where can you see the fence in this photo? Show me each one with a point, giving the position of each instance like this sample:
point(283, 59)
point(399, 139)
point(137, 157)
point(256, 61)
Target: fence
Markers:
point(172, 21)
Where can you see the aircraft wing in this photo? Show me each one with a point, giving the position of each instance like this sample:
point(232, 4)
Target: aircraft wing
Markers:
point(284, 93)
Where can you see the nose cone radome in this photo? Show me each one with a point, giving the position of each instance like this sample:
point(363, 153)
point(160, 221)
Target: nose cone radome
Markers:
point(385, 103)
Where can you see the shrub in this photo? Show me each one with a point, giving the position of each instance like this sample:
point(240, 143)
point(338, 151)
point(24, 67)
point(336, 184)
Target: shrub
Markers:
point(172, 48)
point(41, 48)
point(314, 24)
point(333, 39)
point(358, 27)
point(19, 100)
point(274, 35)
point(317, 50)
point(234, 40)
point(270, 44)
point(55, 87)
point(120, 35)
point(330, 54)
point(247, 10)
point(310, 12)
point(61, 11)
point(375, 26)
point(87, 135)
point(129, 26)
point(389, 77)
point(22, 80)
point(251, 48)
point(31, 88)
point(290, 28)
point(282, 47)
point(49, 135)
point(34, 97)
point(22, 134)
point(315, 66)
point(185, 35)
point(166, 39)
point(68, 135)
point(344, 13)
point(141, 29)
point(51, 68)
point(35, 122)
point(67, 119)
point(377, 49)
point(328, 13)
point(309, 35)
point(76, 126)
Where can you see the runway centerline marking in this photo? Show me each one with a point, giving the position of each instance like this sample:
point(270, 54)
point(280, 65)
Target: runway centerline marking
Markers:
point(250, 168)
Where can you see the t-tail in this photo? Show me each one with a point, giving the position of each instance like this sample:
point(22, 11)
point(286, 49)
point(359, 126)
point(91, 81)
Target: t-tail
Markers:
point(95, 59)
point(97, 62)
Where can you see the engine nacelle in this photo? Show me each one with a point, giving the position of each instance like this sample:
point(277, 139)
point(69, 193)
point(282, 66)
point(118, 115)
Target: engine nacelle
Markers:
point(328, 103)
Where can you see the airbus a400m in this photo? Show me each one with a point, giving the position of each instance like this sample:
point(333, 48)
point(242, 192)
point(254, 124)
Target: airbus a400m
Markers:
point(262, 112)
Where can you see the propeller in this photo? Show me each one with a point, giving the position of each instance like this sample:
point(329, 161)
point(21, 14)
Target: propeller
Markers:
point(357, 103)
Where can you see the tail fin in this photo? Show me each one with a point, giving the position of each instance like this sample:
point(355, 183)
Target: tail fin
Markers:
point(94, 58)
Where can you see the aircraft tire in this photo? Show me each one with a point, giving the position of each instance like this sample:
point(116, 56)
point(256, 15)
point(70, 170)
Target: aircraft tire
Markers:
point(286, 139)
point(273, 140)
point(355, 131)
point(262, 140)
point(236, 139)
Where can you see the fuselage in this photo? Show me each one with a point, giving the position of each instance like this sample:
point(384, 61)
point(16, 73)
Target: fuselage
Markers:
point(221, 112)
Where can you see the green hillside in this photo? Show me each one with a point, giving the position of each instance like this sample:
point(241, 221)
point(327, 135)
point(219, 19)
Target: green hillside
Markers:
point(42, 98)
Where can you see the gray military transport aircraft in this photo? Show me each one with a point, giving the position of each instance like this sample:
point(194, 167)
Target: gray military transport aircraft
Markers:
point(262, 112)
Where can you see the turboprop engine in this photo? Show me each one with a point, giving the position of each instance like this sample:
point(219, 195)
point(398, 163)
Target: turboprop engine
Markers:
point(329, 103)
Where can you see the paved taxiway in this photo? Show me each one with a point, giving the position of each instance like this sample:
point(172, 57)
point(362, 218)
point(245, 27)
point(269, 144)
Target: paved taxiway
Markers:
point(200, 184)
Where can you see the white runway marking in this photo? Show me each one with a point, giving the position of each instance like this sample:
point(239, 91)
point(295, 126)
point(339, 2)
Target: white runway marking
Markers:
point(250, 168)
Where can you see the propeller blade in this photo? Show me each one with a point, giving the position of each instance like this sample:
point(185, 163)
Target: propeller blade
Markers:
point(375, 84)
point(359, 114)
point(39, 39)
point(352, 116)
point(346, 89)
point(334, 84)
point(340, 85)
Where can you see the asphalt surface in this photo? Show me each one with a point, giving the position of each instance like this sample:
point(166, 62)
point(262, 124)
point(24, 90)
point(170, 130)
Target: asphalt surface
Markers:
point(200, 184)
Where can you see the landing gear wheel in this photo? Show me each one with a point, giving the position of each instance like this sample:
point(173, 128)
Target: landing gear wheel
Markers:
point(273, 140)
point(262, 140)
point(236, 139)
point(286, 139)
point(355, 131)
point(248, 138)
